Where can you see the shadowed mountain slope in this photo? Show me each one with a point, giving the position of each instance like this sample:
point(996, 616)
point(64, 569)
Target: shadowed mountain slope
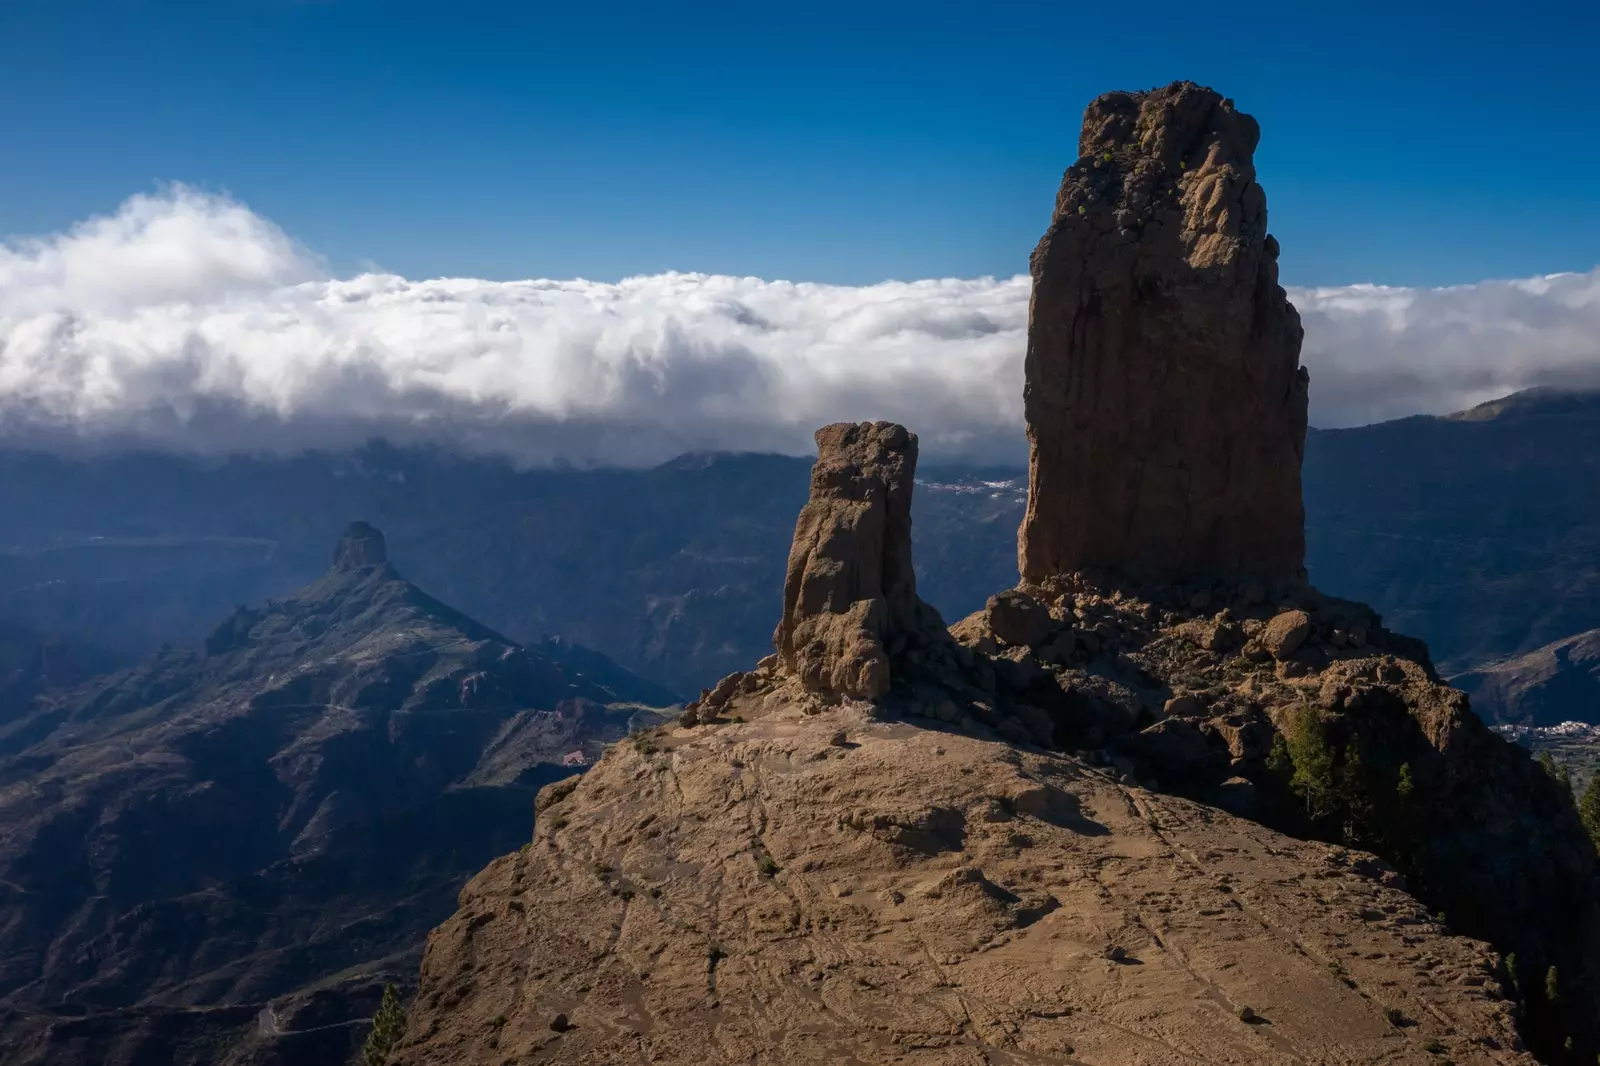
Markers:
point(1479, 532)
point(285, 812)
point(1557, 683)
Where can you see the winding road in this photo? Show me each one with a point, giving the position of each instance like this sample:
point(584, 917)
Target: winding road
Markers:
point(268, 1021)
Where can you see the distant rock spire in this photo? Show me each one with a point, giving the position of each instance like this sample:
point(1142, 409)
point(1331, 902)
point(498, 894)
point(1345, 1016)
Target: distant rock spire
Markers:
point(1164, 397)
point(361, 545)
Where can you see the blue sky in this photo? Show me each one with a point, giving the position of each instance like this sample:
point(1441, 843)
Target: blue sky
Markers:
point(1405, 144)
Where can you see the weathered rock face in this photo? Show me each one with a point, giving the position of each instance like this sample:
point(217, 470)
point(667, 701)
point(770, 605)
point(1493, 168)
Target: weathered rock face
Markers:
point(360, 545)
point(1164, 397)
point(1312, 717)
point(850, 589)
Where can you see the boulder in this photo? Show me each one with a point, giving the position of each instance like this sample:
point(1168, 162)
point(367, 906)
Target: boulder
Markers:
point(1177, 746)
point(1018, 619)
point(1286, 633)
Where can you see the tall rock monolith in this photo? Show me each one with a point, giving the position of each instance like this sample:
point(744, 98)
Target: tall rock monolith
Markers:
point(850, 588)
point(1165, 401)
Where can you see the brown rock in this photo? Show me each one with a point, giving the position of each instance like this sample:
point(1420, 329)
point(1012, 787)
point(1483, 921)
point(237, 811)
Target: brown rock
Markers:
point(1179, 746)
point(1167, 413)
point(899, 883)
point(1018, 619)
point(1183, 706)
point(850, 587)
point(1237, 795)
point(1212, 635)
point(1286, 633)
point(1164, 397)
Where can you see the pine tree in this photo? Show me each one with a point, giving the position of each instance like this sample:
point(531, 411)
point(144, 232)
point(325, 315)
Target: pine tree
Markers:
point(1314, 761)
point(1279, 763)
point(387, 1026)
point(1357, 788)
point(1589, 809)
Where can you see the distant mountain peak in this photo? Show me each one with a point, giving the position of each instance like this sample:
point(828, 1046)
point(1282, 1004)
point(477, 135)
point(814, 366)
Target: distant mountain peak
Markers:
point(1544, 399)
point(360, 546)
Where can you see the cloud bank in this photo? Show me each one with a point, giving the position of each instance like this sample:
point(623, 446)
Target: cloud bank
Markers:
point(186, 321)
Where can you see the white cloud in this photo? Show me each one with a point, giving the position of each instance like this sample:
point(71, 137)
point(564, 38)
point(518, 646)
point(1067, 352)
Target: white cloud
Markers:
point(1377, 352)
point(187, 321)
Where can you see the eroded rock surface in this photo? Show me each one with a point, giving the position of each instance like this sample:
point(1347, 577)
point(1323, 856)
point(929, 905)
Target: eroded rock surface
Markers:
point(1311, 716)
point(850, 594)
point(762, 893)
point(1164, 397)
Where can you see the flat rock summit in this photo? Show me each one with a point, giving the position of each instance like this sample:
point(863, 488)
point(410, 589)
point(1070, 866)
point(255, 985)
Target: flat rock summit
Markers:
point(1162, 802)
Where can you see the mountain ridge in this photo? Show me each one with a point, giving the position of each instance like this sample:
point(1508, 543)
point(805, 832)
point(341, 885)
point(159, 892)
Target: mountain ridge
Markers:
point(1478, 536)
point(309, 790)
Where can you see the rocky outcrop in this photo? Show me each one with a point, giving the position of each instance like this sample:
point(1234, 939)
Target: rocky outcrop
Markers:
point(1021, 839)
point(770, 876)
point(850, 592)
point(850, 888)
point(1164, 397)
point(1310, 716)
point(360, 545)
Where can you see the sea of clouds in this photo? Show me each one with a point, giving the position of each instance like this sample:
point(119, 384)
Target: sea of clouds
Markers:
point(186, 321)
